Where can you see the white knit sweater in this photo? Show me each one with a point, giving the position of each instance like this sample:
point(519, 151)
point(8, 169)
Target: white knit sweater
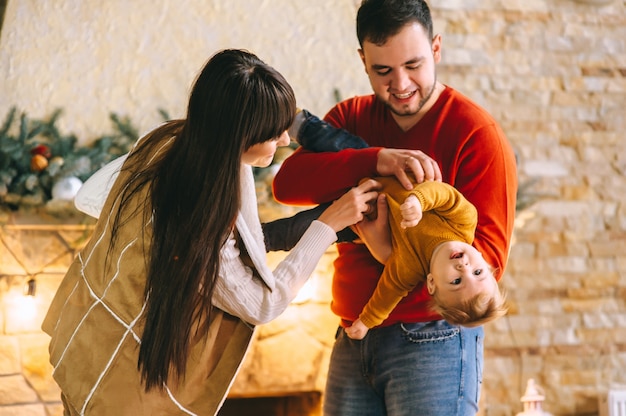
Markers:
point(238, 291)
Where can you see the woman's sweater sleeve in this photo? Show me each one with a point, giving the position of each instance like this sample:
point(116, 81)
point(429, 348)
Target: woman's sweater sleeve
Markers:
point(240, 292)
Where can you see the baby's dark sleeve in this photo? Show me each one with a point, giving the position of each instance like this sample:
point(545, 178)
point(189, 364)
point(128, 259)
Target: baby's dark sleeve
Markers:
point(283, 234)
point(317, 135)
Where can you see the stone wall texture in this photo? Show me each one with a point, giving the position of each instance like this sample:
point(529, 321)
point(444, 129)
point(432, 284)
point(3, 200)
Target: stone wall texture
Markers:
point(553, 72)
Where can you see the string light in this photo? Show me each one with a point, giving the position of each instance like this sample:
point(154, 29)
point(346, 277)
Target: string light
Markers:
point(22, 306)
point(30, 288)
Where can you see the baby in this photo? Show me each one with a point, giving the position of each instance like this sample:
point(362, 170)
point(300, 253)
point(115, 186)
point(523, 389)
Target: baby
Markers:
point(438, 252)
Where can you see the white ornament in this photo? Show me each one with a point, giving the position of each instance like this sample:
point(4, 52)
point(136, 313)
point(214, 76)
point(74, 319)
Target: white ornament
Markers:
point(66, 188)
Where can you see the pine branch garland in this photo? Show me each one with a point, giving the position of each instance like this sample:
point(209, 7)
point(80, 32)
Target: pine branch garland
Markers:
point(35, 155)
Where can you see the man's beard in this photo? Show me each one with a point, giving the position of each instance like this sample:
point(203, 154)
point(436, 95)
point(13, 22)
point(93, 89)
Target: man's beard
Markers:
point(407, 112)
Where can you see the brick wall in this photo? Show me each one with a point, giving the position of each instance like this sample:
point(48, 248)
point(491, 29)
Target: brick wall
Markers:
point(554, 75)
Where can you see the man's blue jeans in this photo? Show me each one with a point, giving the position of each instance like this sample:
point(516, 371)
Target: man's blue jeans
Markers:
point(426, 368)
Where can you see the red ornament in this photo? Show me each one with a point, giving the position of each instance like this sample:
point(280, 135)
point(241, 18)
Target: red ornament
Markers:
point(41, 149)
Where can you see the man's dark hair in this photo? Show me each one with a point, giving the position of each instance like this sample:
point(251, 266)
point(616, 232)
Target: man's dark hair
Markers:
point(377, 20)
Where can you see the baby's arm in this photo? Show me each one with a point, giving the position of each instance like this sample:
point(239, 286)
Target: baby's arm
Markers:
point(447, 202)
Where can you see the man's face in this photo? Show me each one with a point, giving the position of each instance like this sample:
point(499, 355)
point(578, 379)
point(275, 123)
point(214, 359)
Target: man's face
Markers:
point(402, 72)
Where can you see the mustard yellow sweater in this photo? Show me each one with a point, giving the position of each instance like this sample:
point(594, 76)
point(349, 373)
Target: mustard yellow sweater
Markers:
point(447, 216)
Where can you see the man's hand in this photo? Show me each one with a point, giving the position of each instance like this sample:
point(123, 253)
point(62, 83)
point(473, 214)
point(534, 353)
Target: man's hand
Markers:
point(397, 162)
point(374, 230)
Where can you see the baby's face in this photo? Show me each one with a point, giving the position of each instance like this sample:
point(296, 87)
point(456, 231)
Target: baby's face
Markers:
point(458, 272)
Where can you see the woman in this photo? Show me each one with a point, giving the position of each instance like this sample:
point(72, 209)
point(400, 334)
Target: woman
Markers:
point(156, 313)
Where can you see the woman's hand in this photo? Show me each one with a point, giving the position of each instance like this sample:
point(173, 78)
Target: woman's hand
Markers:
point(352, 206)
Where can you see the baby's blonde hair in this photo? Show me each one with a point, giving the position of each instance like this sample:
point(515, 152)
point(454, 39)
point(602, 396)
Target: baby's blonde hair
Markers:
point(475, 311)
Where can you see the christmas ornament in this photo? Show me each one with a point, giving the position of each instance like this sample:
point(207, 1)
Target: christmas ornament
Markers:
point(41, 149)
point(38, 163)
point(54, 165)
point(66, 188)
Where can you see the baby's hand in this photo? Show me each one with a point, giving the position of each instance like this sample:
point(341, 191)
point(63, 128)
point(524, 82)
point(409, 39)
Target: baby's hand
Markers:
point(411, 211)
point(358, 330)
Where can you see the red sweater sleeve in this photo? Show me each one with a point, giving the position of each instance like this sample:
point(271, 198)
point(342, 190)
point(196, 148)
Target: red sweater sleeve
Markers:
point(307, 178)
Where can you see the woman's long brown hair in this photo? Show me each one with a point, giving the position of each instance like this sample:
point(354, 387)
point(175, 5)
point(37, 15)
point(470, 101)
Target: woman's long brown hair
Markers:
point(236, 102)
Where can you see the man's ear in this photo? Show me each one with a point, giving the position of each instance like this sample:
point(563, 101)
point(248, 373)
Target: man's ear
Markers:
point(362, 55)
point(436, 45)
point(430, 284)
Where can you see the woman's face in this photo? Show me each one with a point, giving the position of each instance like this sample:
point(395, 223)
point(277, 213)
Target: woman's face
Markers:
point(261, 155)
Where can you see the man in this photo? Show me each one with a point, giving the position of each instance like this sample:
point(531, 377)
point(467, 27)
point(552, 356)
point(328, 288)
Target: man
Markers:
point(414, 363)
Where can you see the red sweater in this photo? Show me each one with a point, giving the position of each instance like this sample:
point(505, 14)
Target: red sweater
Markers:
point(473, 154)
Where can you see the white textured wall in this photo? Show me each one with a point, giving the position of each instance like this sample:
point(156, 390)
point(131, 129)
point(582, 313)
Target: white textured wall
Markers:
point(131, 57)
